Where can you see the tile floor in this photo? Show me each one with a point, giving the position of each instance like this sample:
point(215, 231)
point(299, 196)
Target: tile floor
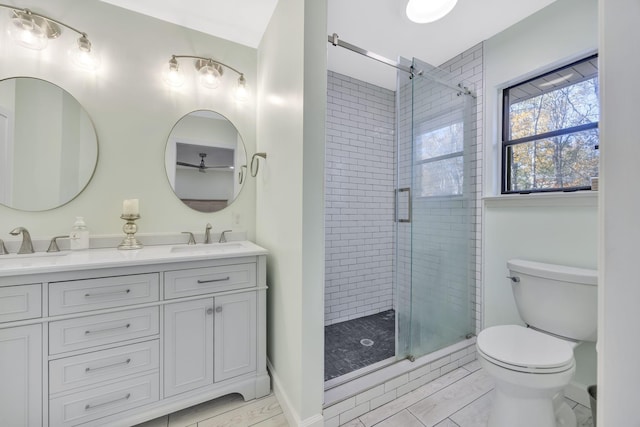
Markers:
point(227, 411)
point(345, 350)
point(461, 398)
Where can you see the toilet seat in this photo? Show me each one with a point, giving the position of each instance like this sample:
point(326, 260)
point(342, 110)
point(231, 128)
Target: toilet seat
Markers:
point(522, 349)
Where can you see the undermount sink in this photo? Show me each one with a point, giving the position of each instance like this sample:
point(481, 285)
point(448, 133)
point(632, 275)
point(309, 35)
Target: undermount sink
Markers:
point(34, 255)
point(213, 248)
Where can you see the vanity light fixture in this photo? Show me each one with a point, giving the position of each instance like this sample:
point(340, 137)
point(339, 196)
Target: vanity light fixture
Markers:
point(425, 11)
point(210, 74)
point(33, 30)
point(173, 76)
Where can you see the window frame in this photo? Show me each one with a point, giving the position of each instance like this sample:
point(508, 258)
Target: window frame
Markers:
point(506, 143)
point(427, 126)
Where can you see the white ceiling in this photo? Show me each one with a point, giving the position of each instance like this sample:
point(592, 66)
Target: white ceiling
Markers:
point(241, 21)
point(380, 26)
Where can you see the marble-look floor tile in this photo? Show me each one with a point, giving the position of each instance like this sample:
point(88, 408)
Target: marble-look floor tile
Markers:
point(403, 418)
point(156, 422)
point(435, 408)
point(277, 421)
point(205, 410)
point(475, 414)
point(353, 423)
point(387, 410)
point(472, 366)
point(247, 415)
point(447, 423)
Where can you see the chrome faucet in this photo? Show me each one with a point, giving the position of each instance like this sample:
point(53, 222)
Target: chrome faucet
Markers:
point(27, 246)
point(223, 239)
point(207, 233)
point(192, 239)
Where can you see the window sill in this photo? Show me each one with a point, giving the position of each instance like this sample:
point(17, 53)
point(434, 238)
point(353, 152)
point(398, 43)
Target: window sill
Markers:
point(577, 198)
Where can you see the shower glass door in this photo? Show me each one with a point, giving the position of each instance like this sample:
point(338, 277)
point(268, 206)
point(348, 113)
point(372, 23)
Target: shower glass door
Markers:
point(435, 206)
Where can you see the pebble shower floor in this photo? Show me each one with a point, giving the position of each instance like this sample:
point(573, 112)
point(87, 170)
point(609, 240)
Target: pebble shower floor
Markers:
point(357, 343)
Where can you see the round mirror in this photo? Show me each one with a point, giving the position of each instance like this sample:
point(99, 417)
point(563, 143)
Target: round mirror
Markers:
point(48, 145)
point(206, 161)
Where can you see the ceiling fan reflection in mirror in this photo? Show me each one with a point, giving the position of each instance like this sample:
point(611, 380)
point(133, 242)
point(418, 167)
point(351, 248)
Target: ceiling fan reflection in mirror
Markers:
point(202, 167)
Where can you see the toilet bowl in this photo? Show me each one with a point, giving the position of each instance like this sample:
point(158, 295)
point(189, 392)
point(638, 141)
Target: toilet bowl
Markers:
point(531, 366)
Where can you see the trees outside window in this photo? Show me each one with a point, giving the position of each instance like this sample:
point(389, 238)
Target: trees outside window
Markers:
point(439, 156)
point(550, 130)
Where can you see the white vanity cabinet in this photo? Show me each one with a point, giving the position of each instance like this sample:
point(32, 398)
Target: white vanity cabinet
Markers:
point(119, 343)
point(188, 345)
point(221, 342)
point(20, 376)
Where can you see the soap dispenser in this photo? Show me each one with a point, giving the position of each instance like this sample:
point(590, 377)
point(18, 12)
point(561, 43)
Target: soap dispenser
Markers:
point(79, 236)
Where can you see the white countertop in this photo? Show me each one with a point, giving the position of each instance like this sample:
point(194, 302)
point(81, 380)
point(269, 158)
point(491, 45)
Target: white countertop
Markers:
point(43, 262)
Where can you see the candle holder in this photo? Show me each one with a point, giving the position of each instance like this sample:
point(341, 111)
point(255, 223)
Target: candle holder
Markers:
point(130, 228)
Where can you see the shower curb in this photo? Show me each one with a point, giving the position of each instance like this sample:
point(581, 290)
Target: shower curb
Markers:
point(343, 404)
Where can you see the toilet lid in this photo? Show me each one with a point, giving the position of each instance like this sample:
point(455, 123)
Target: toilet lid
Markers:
point(522, 347)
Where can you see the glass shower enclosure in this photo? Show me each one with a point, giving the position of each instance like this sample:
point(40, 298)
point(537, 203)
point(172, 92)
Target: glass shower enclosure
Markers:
point(435, 211)
point(412, 258)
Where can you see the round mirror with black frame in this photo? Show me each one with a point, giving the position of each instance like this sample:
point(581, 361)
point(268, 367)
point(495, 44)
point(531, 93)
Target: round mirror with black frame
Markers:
point(48, 145)
point(206, 161)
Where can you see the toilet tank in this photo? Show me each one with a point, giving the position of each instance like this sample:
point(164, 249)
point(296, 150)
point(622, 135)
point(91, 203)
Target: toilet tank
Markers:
point(557, 299)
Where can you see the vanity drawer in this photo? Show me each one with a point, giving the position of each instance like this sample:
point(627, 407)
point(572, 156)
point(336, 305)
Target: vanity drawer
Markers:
point(197, 281)
point(92, 368)
point(90, 331)
point(99, 402)
point(20, 302)
point(106, 292)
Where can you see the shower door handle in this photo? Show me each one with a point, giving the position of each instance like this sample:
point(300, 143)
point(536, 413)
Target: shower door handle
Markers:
point(405, 190)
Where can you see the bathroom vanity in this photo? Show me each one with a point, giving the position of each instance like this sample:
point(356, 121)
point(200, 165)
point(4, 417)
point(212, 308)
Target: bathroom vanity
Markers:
point(109, 337)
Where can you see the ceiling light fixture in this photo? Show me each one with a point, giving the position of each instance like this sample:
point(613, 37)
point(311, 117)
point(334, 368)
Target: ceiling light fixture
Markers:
point(425, 11)
point(33, 30)
point(210, 72)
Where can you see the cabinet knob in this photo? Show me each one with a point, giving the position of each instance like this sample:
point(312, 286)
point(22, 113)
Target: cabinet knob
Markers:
point(219, 309)
point(209, 310)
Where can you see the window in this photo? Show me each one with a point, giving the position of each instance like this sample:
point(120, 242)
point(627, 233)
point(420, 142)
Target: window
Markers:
point(550, 130)
point(439, 156)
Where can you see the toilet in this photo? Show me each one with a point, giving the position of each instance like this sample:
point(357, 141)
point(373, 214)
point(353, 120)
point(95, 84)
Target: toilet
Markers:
point(532, 364)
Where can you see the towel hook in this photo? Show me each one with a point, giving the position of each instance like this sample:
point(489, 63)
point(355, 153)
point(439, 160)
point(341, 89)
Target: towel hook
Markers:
point(257, 162)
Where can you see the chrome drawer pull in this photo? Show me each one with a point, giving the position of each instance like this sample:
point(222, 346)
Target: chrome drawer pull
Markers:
point(97, 405)
point(105, 294)
point(90, 369)
point(214, 280)
point(87, 332)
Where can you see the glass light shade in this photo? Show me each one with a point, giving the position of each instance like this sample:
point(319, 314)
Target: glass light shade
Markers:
point(425, 11)
point(242, 92)
point(83, 56)
point(26, 32)
point(210, 75)
point(173, 75)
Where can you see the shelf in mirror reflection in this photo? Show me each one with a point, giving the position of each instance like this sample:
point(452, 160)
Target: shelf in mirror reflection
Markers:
point(205, 161)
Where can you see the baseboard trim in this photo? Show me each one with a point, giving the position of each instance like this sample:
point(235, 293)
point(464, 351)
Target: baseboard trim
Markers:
point(292, 416)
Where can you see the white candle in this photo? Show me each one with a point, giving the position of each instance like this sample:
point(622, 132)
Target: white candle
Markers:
point(130, 207)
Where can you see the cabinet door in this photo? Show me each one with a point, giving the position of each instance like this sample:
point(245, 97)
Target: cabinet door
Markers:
point(21, 376)
point(235, 335)
point(188, 346)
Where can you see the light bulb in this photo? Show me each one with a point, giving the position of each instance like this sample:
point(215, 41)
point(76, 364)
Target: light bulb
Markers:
point(210, 75)
point(83, 56)
point(27, 32)
point(242, 93)
point(172, 75)
point(425, 11)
